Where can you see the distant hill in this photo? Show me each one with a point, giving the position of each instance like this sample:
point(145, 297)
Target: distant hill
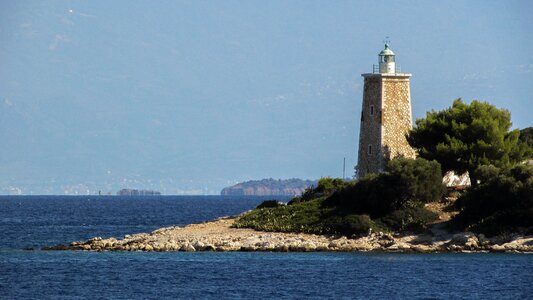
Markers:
point(269, 187)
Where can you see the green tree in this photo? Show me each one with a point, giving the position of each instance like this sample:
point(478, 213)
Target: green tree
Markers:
point(465, 136)
point(526, 136)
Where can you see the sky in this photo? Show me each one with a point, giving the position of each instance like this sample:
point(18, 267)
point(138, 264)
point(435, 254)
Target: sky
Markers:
point(188, 97)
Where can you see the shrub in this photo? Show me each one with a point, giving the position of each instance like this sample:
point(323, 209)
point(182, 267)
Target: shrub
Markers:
point(414, 219)
point(405, 183)
point(339, 207)
point(325, 187)
point(351, 225)
point(299, 217)
point(422, 178)
point(503, 202)
point(270, 204)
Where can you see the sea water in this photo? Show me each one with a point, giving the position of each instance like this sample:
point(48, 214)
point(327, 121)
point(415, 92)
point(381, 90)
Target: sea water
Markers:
point(28, 223)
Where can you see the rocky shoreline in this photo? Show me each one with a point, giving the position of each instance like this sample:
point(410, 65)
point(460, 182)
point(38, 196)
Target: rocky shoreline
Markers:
point(218, 235)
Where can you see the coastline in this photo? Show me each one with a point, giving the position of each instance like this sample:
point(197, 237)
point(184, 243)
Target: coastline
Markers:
point(218, 235)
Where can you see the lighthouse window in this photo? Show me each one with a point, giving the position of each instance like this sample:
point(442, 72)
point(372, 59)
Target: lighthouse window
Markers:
point(369, 149)
point(371, 110)
point(389, 58)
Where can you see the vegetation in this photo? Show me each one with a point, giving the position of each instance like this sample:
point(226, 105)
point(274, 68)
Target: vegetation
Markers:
point(312, 216)
point(405, 183)
point(503, 202)
point(386, 202)
point(465, 136)
point(270, 204)
point(326, 186)
point(526, 137)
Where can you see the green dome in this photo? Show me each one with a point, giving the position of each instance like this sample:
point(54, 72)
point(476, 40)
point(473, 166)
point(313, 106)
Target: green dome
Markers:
point(386, 51)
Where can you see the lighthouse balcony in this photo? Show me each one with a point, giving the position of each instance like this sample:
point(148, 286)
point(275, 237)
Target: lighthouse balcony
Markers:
point(375, 69)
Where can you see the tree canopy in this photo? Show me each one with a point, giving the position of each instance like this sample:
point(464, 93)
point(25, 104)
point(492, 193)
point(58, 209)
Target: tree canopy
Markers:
point(465, 136)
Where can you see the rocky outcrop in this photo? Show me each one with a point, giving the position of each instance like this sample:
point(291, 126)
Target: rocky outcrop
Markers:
point(218, 235)
point(454, 181)
point(269, 187)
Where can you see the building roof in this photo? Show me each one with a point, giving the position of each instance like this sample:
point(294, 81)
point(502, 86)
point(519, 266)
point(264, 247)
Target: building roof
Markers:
point(386, 51)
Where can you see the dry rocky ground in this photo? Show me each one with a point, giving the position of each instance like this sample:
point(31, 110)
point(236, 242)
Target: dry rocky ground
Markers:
point(218, 235)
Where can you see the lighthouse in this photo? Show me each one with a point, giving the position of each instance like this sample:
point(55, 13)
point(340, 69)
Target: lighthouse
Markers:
point(386, 115)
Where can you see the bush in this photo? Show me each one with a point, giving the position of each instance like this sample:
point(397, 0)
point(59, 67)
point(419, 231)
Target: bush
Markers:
point(422, 179)
point(405, 183)
point(503, 202)
point(270, 204)
point(351, 225)
point(325, 187)
point(414, 219)
point(299, 217)
point(339, 207)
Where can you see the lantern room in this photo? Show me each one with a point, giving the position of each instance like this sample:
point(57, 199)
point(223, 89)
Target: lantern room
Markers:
point(387, 62)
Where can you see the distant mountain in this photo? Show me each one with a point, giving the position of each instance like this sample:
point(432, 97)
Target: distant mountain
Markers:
point(269, 187)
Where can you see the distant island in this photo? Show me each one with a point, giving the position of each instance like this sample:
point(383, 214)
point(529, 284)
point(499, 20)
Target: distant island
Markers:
point(134, 192)
point(269, 187)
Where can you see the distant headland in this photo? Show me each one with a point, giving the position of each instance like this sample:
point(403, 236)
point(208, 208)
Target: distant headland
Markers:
point(269, 187)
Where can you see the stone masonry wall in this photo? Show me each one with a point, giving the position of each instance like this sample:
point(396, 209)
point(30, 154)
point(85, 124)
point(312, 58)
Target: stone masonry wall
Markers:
point(386, 128)
point(370, 131)
point(396, 117)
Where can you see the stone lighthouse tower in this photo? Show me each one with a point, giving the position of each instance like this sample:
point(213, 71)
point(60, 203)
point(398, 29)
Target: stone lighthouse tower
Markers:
point(385, 116)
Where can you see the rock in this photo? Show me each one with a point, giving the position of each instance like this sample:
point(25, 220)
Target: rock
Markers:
point(248, 248)
point(472, 244)
point(456, 248)
point(466, 239)
point(188, 248)
point(209, 247)
point(332, 245)
point(483, 241)
point(322, 247)
point(422, 248)
point(385, 243)
point(281, 248)
point(265, 246)
point(402, 246)
point(497, 248)
point(147, 247)
point(199, 246)
point(308, 246)
point(386, 237)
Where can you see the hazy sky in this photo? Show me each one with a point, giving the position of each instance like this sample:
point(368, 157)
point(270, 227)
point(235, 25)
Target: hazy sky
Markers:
point(192, 96)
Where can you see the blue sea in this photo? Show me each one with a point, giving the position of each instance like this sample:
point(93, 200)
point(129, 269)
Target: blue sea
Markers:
point(28, 223)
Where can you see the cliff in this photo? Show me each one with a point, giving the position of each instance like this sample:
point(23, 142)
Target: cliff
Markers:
point(269, 187)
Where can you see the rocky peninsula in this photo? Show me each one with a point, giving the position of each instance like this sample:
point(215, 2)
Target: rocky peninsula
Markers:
point(219, 235)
